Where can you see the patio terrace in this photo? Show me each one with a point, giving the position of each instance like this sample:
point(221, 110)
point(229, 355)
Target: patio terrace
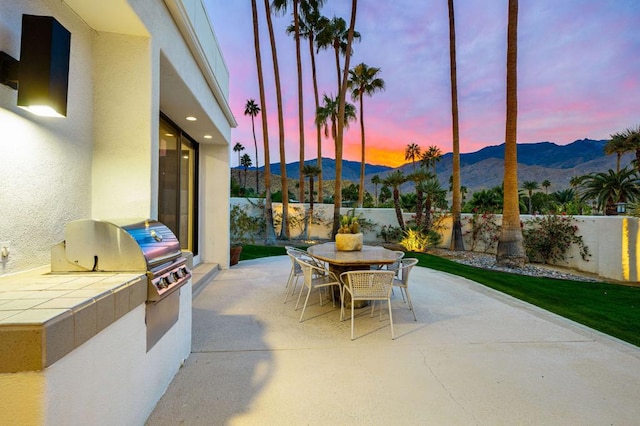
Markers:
point(475, 356)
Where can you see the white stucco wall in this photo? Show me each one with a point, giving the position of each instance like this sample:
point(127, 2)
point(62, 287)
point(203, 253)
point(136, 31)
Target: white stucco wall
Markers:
point(45, 163)
point(613, 241)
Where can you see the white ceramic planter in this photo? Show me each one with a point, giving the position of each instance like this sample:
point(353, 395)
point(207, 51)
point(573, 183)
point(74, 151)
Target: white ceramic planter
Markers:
point(349, 242)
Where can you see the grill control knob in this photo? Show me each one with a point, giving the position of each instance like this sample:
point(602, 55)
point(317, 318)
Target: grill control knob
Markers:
point(171, 278)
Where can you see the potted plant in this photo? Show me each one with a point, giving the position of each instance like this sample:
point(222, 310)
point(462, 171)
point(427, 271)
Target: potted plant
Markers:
point(243, 229)
point(349, 237)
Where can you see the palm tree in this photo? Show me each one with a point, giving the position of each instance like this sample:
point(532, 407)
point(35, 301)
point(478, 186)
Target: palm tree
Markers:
point(510, 251)
point(327, 116)
point(563, 197)
point(310, 171)
point(411, 152)
point(245, 162)
point(284, 230)
point(394, 180)
point(610, 188)
point(430, 157)
point(252, 109)
point(334, 34)
point(433, 194)
point(546, 184)
point(617, 145)
point(337, 197)
point(281, 6)
point(419, 177)
point(375, 180)
point(363, 80)
point(530, 186)
point(486, 201)
point(632, 140)
point(310, 23)
point(238, 147)
point(270, 236)
point(457, 242)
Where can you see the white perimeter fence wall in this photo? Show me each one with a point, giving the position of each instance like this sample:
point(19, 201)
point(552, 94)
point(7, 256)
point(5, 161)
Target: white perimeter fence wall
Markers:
point(613, 241)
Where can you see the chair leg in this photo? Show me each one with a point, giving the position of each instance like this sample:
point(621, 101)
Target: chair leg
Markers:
point(393, 337)
point(289, 289)
point(298, 302)
point(411, 304)
point(305, 303)
point(352, 318)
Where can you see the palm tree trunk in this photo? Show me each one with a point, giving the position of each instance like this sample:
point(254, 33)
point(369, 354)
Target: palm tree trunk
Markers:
point(255, 144)
point(457, 242)
point(510, 251)
point(339, 140)
point(396, 204)
point(270, 236)
point(296, 25)
point(284, 230)
point(361, 188)
point(318, 126)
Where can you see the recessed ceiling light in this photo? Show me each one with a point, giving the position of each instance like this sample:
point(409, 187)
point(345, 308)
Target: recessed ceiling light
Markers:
point(191, 118)
point(208, 136)
point(168, 134)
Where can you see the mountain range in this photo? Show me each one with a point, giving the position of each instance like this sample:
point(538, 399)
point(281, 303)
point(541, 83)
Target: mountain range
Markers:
point(483, 169)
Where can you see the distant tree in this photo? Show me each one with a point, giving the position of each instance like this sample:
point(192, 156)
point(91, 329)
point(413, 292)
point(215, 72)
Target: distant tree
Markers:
point(311, 172)
point(245, 162)
point(530, 186)
point(375, 180)
point(394, 180)
point(562, 198)
point(632, 139)
point(546, 184)
point(419, 177)
point(485, 201)
point(363, 80)
point(252, 109)
point(431, 157)
point(411, 152)
point(617, 145)
point(385, 194)
point(610, 188)
point(238, 147)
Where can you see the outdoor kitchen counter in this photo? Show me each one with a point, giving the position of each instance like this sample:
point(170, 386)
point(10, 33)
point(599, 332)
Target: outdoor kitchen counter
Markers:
point(44, 316)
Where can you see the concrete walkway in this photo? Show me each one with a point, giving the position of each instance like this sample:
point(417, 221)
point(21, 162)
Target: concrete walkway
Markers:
point(474, 357)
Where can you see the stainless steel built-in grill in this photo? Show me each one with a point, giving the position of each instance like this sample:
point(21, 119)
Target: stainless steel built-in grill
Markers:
point(124, 246)
point(145, 246)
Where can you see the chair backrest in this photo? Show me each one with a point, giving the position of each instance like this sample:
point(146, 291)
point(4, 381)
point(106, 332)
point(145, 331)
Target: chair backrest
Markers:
point(309, 268)
point(296, 266)
point(368, 284)
point(396, 265)
point(405, 268)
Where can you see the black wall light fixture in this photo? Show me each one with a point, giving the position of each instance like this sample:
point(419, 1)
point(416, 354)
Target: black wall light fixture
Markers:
point(42, 75)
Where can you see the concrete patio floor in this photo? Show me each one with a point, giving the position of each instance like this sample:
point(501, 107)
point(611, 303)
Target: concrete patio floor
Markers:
point(474, 357)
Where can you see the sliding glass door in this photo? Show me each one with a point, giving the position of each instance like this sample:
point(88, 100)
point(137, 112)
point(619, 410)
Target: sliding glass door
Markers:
point(177, 195)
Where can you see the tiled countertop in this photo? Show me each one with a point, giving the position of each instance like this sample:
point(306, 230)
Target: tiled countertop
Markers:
point(44, 316)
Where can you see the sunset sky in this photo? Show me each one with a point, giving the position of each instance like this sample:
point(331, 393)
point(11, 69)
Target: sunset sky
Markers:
point(578, 74)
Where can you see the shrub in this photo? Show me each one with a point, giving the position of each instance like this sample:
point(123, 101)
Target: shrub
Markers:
point(483, 230)
point(415, 240)
point(548, 238)
point(390, 233)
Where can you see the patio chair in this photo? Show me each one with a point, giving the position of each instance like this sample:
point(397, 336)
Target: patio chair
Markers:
point(296, 270)
point(402, 281)
point(316, 277)
point(367, 285)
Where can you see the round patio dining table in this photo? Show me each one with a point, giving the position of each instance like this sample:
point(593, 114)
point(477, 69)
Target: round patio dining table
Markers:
point(343, 261)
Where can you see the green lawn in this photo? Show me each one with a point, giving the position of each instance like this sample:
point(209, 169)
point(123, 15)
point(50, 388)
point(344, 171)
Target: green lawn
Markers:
point(610, 308)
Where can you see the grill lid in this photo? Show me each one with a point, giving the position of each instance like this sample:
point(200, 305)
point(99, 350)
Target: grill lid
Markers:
point(119, 245)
